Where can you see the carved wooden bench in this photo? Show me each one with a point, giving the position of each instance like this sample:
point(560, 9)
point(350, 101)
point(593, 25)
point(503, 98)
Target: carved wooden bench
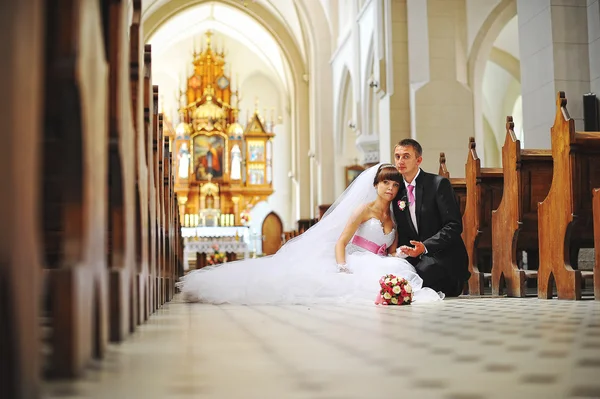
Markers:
point(565, 215)
point(484, 192)
point(527, 180)
point(596, 208)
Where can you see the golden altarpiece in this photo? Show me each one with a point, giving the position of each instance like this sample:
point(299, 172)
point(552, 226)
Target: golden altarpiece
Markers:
point(222, 168)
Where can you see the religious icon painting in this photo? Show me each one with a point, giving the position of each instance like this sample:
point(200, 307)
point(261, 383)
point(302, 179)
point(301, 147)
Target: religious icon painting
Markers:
point(209, 162)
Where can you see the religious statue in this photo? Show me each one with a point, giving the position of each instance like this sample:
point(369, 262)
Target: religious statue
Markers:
point(184, 161)
point(236, 163)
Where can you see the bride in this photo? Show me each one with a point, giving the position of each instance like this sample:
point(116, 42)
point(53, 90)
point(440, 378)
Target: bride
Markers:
point(339, 259)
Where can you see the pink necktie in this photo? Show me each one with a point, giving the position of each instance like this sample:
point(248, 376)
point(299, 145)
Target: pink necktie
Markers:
point(411, 194)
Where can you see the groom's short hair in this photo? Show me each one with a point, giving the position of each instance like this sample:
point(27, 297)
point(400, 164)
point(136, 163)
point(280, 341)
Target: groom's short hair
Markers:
point(412, 143)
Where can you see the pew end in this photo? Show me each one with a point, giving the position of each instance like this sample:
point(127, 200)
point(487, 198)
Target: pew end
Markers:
point(483, 194)
point(596, 215)
point(565, 215)
point(527, 175)
point(443, 170)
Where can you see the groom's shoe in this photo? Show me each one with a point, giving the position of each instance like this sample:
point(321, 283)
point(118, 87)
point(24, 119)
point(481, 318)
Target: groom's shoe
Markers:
point(454, 288)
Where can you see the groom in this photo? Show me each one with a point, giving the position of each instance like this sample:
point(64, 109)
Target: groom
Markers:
point(429, 223)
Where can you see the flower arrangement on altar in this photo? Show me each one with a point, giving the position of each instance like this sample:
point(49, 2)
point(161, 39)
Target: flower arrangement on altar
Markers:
point(245, 217)
point(394, 291)
point(216, 257)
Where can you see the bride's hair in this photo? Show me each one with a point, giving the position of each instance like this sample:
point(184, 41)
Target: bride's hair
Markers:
point(387, 171)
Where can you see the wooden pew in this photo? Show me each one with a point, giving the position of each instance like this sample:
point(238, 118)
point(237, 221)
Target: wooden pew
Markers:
point(527, 180)
point(121, 176)
point(160, 205)
point(138, 67)
point(305, 224)
point(596, 210)
point(288, 235)
point(484, 192)
point(322, 210)
point(157, 187)
point(565, 215)
point(144, 168)
point(169, 195)
point(459, 185)
point(150, 123)
point(22, 66)
point(167, 206)
point(75, 186)
point(201, 260)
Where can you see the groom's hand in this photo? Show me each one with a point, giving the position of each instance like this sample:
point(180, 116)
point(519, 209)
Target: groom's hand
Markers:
point(415, 252)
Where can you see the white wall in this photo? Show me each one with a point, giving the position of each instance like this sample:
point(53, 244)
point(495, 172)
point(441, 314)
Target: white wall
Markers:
point(259, 85)
point(477, 12)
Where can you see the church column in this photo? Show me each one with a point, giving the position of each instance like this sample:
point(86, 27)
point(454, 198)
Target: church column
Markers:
point(441, 104)
point(302, 160)
point(394, 107)
point(554, 53)
point(593, 15)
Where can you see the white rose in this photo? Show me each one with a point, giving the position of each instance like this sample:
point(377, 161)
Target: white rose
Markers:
point(395, 281)
point(387, 295)
point(397, 289)
point(408, 289)
point(395, 301)
point(406, 298)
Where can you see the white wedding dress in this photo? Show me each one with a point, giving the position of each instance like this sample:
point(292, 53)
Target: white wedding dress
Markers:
point(305, 280)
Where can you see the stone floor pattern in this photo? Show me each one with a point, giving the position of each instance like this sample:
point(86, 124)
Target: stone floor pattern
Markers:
point(456, 349)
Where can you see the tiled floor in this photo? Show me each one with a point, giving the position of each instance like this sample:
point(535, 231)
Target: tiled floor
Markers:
point(455, 349)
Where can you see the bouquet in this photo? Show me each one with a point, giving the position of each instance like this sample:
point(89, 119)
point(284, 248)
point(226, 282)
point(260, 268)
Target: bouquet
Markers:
point(216, 257)
point(245, 217)
point(394, 291)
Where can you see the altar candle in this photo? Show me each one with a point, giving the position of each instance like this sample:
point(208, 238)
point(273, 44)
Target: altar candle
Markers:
point(231, 219)
point(186, 220)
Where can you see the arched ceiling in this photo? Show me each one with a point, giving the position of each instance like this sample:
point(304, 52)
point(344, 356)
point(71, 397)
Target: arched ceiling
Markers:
point(284, 10)
point(190, 24)
point(508, 39)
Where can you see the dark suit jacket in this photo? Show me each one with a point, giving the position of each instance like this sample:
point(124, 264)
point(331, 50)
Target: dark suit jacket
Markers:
point(440, 224)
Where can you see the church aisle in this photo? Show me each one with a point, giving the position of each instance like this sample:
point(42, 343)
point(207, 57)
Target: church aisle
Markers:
point(458, 349)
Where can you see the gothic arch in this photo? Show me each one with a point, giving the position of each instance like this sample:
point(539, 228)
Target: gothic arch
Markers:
point(318, 36)
point(480, 54)
point(300, 121)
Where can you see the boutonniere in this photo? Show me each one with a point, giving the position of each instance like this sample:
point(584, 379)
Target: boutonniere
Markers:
point(402, 204)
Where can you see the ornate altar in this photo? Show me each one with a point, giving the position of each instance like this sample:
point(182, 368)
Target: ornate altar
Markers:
point(222, 166)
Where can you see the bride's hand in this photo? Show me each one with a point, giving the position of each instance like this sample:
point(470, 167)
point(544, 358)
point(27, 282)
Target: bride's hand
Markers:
point(343, 268)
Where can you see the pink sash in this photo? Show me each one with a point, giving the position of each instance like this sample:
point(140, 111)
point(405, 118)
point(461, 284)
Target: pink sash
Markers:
point(370, 245)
